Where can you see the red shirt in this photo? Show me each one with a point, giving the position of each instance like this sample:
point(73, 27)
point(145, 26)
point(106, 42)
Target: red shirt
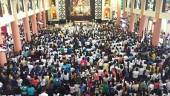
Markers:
point(35, 82)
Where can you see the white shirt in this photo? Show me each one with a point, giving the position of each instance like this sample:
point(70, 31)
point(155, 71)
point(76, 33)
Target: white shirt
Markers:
point(43, 82)
point(68, 95)
point(101, 62)
point(168, 85)
point(135, 87)
point(66, 77)
point(135, 74)
point(141, 70)
point(151, 86)
point(30, 67)
point(43, 94)
point(19, 82)
point(72, 89)
point(1, 84)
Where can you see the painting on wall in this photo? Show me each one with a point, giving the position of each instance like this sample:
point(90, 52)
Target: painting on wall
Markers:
point(20, 6)
point(80, 8)
point(166, 6)
point(29, 5)
point(137, 4)
point(53, 12)
point(106, 10)
point(5, 7)
point(150, 5)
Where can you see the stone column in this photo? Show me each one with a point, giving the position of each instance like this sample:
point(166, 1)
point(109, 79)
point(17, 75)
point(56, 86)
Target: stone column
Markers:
point(156, 32)
point(27, 29)
point(16, 36)
point(131, 24)
point(142, 26)
point(3, 59)
point(34, 24)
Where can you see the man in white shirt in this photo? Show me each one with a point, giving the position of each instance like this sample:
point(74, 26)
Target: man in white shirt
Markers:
point(43, 94)
point(135, 73)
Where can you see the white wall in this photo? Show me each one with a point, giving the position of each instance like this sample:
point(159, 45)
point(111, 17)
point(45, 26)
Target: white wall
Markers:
point(165, 26)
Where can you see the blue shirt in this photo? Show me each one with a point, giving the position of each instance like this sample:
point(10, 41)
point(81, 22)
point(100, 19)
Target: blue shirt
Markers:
point(69, 50)
point(31, 91)
point(67, 67)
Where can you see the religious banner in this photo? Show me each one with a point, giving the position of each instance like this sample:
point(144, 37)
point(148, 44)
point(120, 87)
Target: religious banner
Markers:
point(5, 7)
point(80, 8)
point(106, 10)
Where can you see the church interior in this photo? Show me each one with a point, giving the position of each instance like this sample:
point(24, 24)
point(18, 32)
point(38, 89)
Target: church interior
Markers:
point(84, 47)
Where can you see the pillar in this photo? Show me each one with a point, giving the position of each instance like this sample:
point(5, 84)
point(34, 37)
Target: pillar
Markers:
point(39, 20)
point(131, 24)
point(27, 29)
point(34, 24)
point(156, 32)
point(142, 26)
point(3, 59)
point(118, 12)
point(1, 39)
point(44, 14)
point(124, 14)
point(16, 36)
point(44, 19)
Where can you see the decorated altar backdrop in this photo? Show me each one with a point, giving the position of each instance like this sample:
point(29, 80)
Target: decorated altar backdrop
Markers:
point(106, 9)
point(80, 7)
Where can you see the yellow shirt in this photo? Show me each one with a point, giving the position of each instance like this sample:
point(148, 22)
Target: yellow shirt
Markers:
point(106, 66)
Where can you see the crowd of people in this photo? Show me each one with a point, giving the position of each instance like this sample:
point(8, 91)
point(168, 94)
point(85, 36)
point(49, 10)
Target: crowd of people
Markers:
point(86, 60)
